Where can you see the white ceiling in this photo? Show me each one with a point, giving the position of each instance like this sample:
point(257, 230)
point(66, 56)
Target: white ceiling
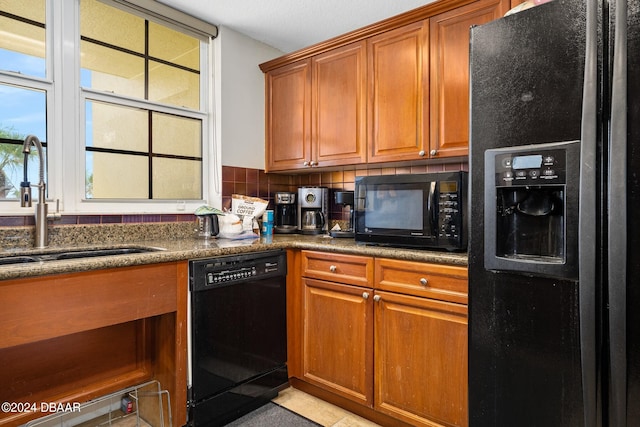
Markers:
point(290, 25)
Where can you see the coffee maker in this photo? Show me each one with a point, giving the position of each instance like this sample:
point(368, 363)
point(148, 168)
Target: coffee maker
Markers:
point(313, 208)
point(285, 213)
point(345, 200)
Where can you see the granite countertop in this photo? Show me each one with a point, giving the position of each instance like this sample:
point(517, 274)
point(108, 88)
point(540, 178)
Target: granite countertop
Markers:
point(178, 247)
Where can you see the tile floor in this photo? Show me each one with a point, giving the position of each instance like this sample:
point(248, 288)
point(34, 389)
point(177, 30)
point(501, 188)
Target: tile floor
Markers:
point(318, 410)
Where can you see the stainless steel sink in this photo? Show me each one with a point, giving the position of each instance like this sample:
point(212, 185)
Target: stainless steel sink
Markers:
point(102, 252)
point(16, 260)
point(73, 254)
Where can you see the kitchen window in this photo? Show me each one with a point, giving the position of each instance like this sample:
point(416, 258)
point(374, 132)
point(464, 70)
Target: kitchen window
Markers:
point(124, 108)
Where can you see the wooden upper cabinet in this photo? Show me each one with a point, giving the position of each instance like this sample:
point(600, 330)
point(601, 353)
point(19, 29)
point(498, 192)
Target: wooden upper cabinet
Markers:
point(288, 111)
point(398, 98)
point(338, 132)
point(449, 74)
point(316, 111)
point(392, 92)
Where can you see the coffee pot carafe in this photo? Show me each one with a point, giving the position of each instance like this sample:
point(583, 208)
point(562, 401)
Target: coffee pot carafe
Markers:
point(207, 226)
point(207, 221)
point(313, 220)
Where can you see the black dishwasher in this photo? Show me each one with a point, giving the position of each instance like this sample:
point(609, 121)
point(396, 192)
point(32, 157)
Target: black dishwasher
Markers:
point(238, 335)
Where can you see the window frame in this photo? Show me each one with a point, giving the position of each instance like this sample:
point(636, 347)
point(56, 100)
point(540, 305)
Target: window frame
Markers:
point(66, 131)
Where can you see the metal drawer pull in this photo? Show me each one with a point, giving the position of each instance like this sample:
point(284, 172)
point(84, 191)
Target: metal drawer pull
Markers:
point(365, 295)
point(377, 298)
point(424, 281)
point(333, 268)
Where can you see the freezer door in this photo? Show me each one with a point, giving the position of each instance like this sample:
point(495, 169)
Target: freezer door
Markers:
point(524, 331)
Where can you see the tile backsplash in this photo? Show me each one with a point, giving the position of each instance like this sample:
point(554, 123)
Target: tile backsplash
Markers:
point(257, 183)
point(254, 183)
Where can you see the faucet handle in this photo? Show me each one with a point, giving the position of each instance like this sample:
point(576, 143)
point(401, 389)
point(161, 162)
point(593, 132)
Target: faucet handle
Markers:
point(56, 216)
point(25, 194)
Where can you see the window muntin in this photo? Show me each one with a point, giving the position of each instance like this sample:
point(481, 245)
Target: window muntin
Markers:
point(23, 37)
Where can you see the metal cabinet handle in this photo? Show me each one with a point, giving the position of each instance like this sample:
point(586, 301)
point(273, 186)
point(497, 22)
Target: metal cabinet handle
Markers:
point(312, 163)
point(423, 281)
point(365, 295)
point(306, 163)
point(433, 152)
point(421, 153)
point(333, 268)
point(377, 298)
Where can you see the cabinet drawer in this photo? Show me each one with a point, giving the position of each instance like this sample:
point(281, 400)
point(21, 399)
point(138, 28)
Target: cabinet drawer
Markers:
point(442, 282)
point(348, 269)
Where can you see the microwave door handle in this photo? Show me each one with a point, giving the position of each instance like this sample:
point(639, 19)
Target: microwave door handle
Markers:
point(431, 210)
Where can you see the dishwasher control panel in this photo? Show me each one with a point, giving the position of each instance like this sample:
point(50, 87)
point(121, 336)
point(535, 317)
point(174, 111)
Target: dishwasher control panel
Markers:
point(214, 277)
point(226, 270)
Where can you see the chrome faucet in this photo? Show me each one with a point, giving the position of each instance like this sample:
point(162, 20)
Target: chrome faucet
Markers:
point(42, 235)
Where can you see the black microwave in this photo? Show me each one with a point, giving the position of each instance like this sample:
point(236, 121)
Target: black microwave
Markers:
point(420, 211)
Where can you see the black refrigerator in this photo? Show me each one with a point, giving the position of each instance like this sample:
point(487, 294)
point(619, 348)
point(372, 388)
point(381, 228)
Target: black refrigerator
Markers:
point(554, 247)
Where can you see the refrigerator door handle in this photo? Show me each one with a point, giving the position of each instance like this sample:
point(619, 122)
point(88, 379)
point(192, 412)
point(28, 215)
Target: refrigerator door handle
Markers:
point(587, 220)
point(617, 223)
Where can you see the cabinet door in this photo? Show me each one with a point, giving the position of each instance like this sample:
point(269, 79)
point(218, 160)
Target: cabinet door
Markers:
point(398, 101)
point(338, 339)
point(288, 110)
point(420, 360)
point(339, 106)
point(449, 85)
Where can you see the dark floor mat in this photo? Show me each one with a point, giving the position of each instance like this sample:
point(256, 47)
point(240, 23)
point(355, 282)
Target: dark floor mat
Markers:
point(272, 415)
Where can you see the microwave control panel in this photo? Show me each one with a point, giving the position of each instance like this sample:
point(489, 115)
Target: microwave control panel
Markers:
point(547, 167)
point(449, 218)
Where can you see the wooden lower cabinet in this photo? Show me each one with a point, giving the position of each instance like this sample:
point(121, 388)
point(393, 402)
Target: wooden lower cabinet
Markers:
point(338, 337)
point(71, 338)
point(420, 367)
point(397, 355)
